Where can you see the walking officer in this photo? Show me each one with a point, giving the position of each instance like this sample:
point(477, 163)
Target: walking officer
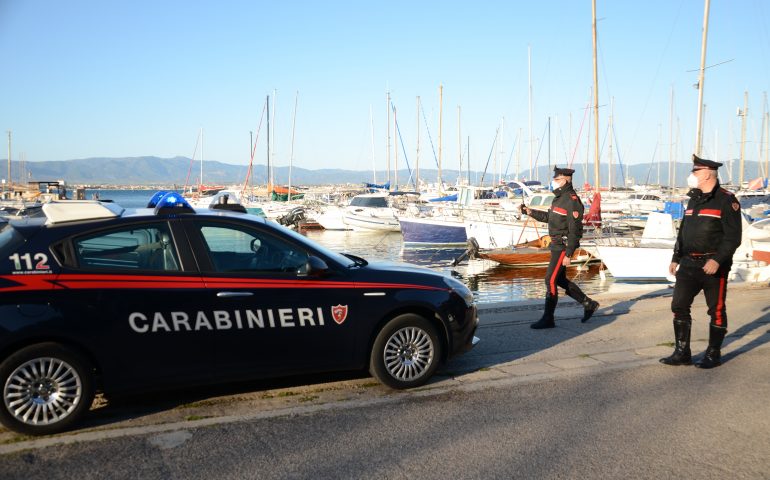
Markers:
point(565, 227)
point(708, 236)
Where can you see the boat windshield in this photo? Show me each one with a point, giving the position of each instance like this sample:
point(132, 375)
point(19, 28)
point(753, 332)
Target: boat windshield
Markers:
point(373, 202)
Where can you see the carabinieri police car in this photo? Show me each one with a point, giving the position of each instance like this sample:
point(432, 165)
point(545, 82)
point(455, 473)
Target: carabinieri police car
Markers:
point(94, 297)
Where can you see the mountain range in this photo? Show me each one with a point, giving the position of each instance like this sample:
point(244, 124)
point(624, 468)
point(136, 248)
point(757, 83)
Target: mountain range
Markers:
point(181, 171)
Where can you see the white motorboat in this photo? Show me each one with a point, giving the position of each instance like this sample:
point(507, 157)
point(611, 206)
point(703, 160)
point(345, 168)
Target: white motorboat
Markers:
point(371, 211)
point(641, 259)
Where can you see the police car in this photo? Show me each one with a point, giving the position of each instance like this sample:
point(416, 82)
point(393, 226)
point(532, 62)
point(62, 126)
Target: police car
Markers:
point(97, 298)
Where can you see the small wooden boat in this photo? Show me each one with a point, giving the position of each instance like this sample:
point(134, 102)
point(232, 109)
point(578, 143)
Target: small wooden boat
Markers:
point(531, 254)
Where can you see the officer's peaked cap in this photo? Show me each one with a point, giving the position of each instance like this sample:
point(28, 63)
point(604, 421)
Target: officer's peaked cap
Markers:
point(567, 172)
point(703, 164)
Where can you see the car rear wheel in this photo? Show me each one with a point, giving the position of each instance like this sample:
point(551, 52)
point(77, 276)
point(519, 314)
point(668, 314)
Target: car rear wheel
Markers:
point(406, 352)
point(46, 388)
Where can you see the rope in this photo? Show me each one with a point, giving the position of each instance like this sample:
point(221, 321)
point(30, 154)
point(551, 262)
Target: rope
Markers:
point(254, 149)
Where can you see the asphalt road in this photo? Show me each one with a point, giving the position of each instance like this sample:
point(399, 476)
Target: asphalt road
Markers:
point(646, 422)
point(582, 400)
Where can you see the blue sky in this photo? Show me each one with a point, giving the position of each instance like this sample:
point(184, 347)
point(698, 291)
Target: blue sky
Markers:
point(119, 79)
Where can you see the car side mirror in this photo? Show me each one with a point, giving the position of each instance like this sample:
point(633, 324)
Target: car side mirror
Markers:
point(315, 267)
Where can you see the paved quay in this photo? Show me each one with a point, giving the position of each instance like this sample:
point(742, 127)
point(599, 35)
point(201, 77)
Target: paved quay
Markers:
point(631, 330)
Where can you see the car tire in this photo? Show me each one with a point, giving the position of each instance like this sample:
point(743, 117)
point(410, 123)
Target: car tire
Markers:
point(406, 352)
point(46, 388)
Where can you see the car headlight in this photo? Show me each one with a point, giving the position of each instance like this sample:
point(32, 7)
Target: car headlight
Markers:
point(460, 288)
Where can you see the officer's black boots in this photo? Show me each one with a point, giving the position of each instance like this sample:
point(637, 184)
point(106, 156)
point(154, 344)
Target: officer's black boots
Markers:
point(589, 307)
point(682, 354)
point(713, 356)
point(547, 319)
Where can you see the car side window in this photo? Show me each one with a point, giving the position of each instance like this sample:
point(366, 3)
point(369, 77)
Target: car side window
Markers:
point(138, 247)
point(233, 249)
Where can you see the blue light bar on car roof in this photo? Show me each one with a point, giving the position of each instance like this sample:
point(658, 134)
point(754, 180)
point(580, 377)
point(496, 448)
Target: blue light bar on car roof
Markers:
point(172, 202)
point(156, 198)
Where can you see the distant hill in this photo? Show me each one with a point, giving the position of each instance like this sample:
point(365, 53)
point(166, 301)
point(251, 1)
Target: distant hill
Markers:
point(168, 171)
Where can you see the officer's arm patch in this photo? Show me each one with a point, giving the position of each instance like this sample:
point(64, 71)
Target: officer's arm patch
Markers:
point(736, 206)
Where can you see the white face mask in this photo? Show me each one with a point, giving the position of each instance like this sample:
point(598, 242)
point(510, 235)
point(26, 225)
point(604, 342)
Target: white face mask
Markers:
point(692, 181)
point(555, 184)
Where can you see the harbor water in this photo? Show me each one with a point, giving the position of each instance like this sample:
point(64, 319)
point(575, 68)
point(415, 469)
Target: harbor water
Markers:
point(488, 281)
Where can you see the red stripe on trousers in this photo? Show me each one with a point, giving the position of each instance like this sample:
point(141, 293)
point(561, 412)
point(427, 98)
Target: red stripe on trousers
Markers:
point(721, 301)
point(552, 282)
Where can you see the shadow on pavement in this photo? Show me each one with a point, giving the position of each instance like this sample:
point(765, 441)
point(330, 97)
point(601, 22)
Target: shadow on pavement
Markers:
point(744, 330)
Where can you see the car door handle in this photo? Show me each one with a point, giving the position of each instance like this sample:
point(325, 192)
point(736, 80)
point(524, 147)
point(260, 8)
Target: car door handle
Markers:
point(234, 294)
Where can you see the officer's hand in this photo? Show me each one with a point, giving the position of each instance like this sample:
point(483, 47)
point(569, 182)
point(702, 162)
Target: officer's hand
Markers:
point(672, 268)
point(523, 208)
point(567, 261)
point(711, 266)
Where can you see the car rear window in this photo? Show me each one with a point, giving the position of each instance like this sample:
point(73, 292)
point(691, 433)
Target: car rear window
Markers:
point(138, 247)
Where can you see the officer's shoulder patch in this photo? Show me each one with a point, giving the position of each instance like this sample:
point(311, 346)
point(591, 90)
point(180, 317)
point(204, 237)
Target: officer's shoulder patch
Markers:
point(574, 197)
point(576, 214)
point(736, 206)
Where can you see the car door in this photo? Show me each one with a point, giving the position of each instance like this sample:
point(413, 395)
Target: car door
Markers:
point(139, 290)
point(270, 316)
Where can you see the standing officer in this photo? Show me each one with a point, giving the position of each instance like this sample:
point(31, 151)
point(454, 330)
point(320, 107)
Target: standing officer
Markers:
point(565, 227)
point(709, 235)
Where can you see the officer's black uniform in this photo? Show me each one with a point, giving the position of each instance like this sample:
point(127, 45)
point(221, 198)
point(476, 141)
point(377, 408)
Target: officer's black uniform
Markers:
point(565, 227)
point(710, 229)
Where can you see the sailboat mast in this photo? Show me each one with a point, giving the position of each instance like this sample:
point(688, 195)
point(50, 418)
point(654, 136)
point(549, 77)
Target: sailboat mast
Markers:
point(597, 178)
point(374, 162)
point(395, 149)
point(291, 154)
point(459, 147)
point(387, 148)
point(10, 180)
point(268, 179)
point(744, 114)
point(671, 162)
point(417, 166)
point(657, 160)
point(518, 157)
point(531, 140)
point(502, 150)
point(767, 139)
point(201, 181)
point(440, 116)
point(610, 177)
point(272, 141)
point(701, 78)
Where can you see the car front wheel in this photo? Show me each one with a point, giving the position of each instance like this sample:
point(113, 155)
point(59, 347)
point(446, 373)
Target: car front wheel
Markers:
point(406, 352)
point(46, 388)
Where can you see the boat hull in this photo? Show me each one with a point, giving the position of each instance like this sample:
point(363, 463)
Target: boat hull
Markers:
point(425, 231)
point(531, 257)
point(637, 264)
point(491, 235)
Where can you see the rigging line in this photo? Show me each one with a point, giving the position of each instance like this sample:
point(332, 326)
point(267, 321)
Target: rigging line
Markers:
point(430, 139)
point(710, 66)
point(620, 160)
point(652, 164)
point(510, 157)
point(254, 149)
point(189, 170)
point(657, 72)
point(494, 142)
point(540, 148)
point(580, 131)
point(403, 148)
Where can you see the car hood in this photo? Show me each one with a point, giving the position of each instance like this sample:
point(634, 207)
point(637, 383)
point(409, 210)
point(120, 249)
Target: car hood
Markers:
point(398, 271)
